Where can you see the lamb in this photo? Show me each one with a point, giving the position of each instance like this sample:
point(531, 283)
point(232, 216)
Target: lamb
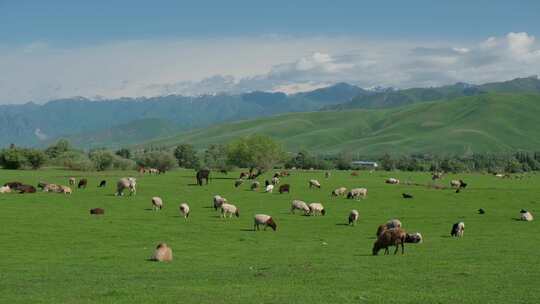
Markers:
point(525, 215)
point(299, 205)
point(269, 188)
point(157, 203)
point(458, 229)
point(218, 201)
point(392, 180)
point(353, 217)
point(184, 210)
point(72, 181)
point(5, 189)
point(284, 188)
point(314, 183)
point(316, 209)
point(390, 237)
point(339, 191)
point(126, 183)
point(414, 238)
point(97, 211)
point(265, 220)
point(163, 253)
point(229, 210)
point(255, 185)
point(82, 183)
point(394, 223)
point(275, 180)
point(357, 193)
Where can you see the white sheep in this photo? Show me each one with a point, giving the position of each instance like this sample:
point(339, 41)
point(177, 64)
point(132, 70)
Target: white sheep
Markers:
point(339, 191)
point(126, 183)
point(314, 183)
point(392, 181)
point(525, 216)
point(5, 189)
point(357, 193)
point(184, 210)
point(163, 253)
point(316, 209)
point(275, 180)
point(229, 210)
point(414, 238)
point(269, 188)
point(353, 217)
point(157, 203)
point(265, 220)
point(299, 205)
point(218, 201)
point(458, 229)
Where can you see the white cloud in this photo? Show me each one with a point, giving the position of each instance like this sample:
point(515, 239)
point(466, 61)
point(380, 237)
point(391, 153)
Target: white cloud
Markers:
point(40, 72)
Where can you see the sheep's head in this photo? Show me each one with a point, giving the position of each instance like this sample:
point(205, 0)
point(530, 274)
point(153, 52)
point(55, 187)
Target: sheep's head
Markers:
point(237, 213)
point(272, 224)
point(376, 248)
point(323, 212)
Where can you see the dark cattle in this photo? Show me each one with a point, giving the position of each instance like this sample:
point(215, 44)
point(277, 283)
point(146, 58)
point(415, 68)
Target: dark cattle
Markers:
point(97, 211)
point(82, 183)
point(13, 185)
point(407, 195)
point(284, 188)
point(102, 184)
point(202, 174)
point(26, 189)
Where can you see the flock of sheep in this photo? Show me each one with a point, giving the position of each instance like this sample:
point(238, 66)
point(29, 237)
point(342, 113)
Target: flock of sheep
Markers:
point(388, 234)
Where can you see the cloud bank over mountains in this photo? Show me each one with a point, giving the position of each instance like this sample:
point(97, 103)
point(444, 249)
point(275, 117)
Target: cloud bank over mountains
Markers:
point(40, 72)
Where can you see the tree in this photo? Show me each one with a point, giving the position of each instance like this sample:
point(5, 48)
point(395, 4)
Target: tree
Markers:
point(257, 151)
point(162, 160)
point(13, 158)
point(102, 159)
point(58, 148)
point(215, 157)
point(186, 156)
point(35, 158)
point(124, 153)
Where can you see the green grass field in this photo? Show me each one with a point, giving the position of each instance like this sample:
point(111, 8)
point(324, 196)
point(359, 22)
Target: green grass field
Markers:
point(53, 251)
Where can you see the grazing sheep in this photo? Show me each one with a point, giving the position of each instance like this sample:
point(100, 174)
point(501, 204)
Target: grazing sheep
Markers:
point(97, 211)
point(82, 183)
point(65, 189)
point(126, 183)
point(392, 180)
point(275, 180)
point(26, 189)
point(72, 181)
point(157, 203)
point(229, 210)
point(184, 210)
point(269, 188)
point(284, 188)
point(255, 185)
point(406, 195)
point(265, 220)
point(218, 201)
point(455, 183)
point(299, 205)
point(5, 189)
point(353, 217)
point(314, 183)
point(393, 223)
point(102, 184)
point(525, 215)
point(415, 238)
point(316, 209)
point(357, 193)
point(163, 253)
point(238, 183)
point(339, 191)
point(458, 229)
point(390, 237)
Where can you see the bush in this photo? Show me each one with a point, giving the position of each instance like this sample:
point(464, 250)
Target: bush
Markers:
point(120, 163)
point(103, 160)
point(161, 160)
point(13, 158)
point(35, 158)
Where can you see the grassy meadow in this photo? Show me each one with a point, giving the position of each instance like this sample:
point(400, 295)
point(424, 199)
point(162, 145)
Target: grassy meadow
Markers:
point(53, 251)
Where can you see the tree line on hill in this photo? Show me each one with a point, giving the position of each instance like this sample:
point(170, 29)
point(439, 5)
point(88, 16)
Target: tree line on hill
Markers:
point(254, 152)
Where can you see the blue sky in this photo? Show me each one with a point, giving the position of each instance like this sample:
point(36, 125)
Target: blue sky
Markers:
point(55, 49)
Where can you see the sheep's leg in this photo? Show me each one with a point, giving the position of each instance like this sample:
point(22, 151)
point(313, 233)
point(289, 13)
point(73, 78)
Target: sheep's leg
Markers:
point(397, 249)
point(402, 247)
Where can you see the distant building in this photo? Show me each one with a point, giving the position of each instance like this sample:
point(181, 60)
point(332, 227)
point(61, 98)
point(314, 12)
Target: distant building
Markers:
point(364, 164)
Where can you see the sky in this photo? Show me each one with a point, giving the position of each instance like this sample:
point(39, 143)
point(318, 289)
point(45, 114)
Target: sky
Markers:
point(109, 49)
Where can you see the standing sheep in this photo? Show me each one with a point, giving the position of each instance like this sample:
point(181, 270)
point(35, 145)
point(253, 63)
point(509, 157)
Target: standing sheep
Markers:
point(157, 203)
point(82, 183)
point(314, 183)
point(229, 210)
point(126, 183)
point(65, 189)
point(458, 229)
point(184, 210)
point(163, 253)
point(72, 181)
point(316, 209)
point(357, 193)
point(353, 217)
point(218, 201)
point(525, 215)
point(255, 185)
point(269, 188)
point(393, 223)
point(390, 237)
point(299, 205)
point(265, 220)
point(339, 191)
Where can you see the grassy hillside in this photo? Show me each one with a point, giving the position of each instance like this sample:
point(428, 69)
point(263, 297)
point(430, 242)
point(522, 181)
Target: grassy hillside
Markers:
point(487, 122)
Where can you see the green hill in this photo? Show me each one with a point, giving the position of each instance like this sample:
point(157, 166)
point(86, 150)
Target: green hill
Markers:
point(480, 123)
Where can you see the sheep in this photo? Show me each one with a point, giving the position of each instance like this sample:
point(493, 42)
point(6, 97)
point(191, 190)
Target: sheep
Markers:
point(26, 189)
point(218, 201)
point(97, 211)
point(525, 215)
point(407, 195)
point(255, 185)
point(353, 217)
point(72, 181)
point(157, 203)
point(393, 223)
point(13, 185)
point(42, 185)
point(436, 175)
point(265, 220)
point(357, 193)
point(163, 253)
point(126, 183)
point(390, 237)
point(458, 229)
point(481, 211)
point(455, 183)
point(184, 210)
point(269, 188)
point(244, 175)
point(82, 183)
point(238, 183)
point(326, 174)
point(414, 238)
point(202, 175)
point(339, 191)
point(102, 184)
point(316, 209)
point(284, 188)
point(65, 189)
point(275, 180)
point(5, 189)
point(52, 188)
point(229, 210)
point(314, 183)
point(299, 205)
point(392, 180)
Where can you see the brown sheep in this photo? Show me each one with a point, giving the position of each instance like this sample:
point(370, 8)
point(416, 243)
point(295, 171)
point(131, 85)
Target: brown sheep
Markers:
point(390, 237)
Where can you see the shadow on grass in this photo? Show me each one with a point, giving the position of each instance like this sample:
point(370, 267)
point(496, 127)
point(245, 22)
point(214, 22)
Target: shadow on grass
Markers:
point(343, 224)
point(245, 229)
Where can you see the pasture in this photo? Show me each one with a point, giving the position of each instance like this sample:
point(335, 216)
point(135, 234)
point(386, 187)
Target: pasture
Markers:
point(53, 251)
